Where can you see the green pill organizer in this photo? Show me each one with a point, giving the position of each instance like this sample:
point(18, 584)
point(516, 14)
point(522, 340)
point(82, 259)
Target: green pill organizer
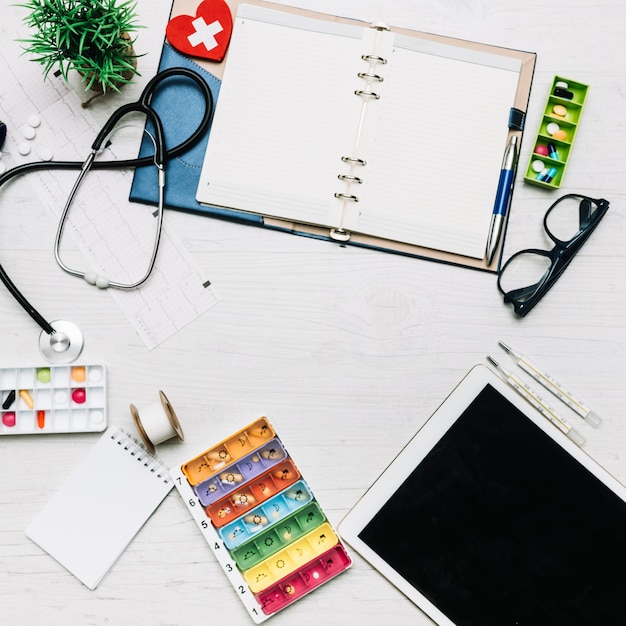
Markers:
point(555, 138)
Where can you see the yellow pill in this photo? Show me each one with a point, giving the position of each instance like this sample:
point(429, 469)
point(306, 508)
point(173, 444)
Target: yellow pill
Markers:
point(560, 134)
point(28, 399)
point(560, 110)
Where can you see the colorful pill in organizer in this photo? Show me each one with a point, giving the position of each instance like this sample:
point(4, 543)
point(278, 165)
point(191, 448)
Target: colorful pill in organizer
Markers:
point(253, 494)
point(227, 452)
point(53, 399)
point(261, 519)
point(233, 476)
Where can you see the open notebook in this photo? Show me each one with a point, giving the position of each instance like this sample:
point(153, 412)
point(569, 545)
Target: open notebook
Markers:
point(316, 112)
point(374, 135)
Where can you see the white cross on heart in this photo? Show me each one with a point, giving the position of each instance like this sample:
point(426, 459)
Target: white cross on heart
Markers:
point(204, 33)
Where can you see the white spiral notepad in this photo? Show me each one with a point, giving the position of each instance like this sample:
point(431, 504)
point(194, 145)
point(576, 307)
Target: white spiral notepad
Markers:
point(90, 521)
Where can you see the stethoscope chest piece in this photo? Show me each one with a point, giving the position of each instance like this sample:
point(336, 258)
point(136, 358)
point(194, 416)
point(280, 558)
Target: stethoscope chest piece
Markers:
point(64, 345)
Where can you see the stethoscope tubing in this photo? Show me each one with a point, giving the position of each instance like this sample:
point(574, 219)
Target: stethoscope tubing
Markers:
point(161, 155)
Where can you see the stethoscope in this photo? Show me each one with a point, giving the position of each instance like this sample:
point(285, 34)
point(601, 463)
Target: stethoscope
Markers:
point(61, 341)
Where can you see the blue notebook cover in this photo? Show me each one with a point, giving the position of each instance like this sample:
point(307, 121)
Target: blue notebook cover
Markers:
point(183, 172)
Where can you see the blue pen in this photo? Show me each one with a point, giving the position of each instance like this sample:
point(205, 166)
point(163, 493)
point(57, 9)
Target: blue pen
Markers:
point(503, 197)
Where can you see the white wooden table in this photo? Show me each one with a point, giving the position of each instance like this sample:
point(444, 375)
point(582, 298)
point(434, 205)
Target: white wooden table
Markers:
point(348, 351)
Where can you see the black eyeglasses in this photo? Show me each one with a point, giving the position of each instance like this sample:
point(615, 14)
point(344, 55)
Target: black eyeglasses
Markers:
point(528, 275)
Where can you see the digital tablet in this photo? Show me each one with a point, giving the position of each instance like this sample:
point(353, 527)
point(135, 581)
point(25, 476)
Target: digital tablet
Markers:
point(490, 516)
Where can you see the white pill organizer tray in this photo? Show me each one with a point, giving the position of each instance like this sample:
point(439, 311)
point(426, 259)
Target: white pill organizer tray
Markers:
point(52, 399)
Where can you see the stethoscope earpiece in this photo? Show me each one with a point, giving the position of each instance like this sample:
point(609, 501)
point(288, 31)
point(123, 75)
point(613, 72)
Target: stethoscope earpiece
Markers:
point(64, 345)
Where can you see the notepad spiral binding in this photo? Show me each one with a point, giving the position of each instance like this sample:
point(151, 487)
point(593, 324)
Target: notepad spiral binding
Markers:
point(370, 76)
point(137, 450)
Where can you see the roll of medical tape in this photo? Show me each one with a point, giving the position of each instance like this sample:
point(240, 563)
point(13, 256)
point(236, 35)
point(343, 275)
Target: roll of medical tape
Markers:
point(157, 423)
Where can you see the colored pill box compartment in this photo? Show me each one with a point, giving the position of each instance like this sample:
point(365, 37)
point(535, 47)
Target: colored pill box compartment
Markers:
point(270, 512)
point(234, 476)
point(572, 110)
point(568, 125)
point(227, 452)
point(303, 581)
point(278, 536)
point(291, 558)
point(253, 493)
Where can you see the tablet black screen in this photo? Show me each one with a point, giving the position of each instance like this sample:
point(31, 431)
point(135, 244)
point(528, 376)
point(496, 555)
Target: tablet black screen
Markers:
point(499, 526)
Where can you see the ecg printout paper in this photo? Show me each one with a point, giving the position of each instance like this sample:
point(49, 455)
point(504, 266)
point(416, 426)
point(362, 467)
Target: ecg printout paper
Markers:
point(102, 221)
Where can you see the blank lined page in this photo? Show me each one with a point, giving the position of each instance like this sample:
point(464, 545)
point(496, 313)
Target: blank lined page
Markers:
point(89, 522)
point(286, 114)
point(432, 176)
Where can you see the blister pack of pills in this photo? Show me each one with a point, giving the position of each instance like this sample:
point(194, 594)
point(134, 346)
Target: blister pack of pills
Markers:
point(53, 399)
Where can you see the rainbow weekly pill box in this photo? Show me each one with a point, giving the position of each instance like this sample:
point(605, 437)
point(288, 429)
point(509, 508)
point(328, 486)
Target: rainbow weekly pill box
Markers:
point(555, 138)
point(261, 519)
point(52, 399)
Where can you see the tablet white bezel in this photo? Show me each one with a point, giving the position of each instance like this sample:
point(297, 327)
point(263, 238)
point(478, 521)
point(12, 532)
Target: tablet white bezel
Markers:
point(417, 449)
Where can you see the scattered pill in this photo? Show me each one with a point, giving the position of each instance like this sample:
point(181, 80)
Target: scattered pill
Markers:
point(537, 165)
point(552, 128)
point(27, 398)
point(560, 110)
point(553, 152)
point(271, 453)
point(243, 499)
point(563, 93)
point(231, 478)
point(550, 176)
point(43, 374)
point(34, 120)
point(97, 417)
point(41, 419)
point(95, 375)
point(9, 400)
point(79, 374)
point(23, 148)
point(8, 419)
point(45, 153)
point(541, 149)
point(296, 494)
point(561, 135)
point(257, 520)
point(261, 431)
point(79, 396)
point(28, 132)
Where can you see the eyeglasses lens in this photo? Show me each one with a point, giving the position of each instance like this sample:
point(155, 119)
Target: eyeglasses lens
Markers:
point(524, 270)
point(569, 216)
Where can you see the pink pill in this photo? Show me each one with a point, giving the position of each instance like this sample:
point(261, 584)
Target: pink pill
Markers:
point(8, 419)
point(79, 396)
point(542, 149)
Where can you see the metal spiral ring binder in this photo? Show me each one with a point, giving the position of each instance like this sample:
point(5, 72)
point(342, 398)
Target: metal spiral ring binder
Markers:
point(366, 93)
point(370, 75)
point(350, 178)
point(347, 196)
point(354, 161)
point(374, 58)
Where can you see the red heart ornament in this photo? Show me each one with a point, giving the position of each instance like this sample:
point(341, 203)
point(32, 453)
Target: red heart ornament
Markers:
point(206, 35)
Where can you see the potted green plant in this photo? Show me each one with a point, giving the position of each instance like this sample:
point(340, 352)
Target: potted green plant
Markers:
point(93, 37)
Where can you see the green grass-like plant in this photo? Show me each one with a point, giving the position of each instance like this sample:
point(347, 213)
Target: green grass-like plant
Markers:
point(90, 36)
